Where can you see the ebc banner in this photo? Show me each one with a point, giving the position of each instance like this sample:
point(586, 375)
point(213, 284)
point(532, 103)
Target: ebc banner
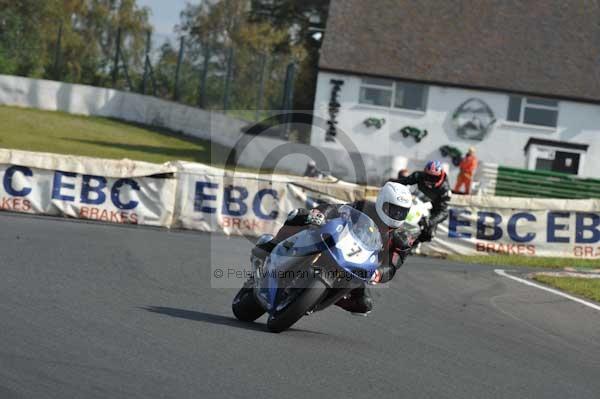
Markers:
point(240, 206)
point(139, 200)
point(560, 231)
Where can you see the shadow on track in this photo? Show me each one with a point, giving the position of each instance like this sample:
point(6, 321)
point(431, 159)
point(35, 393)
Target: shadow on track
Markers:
point(212, 318)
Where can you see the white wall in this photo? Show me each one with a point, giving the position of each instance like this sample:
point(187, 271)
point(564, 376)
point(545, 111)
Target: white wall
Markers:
point(577, 122)
point(87, 100)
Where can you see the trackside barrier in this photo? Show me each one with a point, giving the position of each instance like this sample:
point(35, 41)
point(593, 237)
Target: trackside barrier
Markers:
point(200, 197)
point(175, 194)
point(211, 199)
point(519, 226)
point(87, 188)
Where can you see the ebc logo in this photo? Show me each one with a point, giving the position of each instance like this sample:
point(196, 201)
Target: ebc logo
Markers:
point(94, 189)
point(9, 184)
point(235, 202)
point(524, 227)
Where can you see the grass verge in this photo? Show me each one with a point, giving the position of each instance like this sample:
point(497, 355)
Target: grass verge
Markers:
point(507, 260)
point(585, 287)
point(58, 132)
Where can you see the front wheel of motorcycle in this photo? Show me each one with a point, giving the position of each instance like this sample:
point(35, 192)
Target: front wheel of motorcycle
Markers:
point(283, 319)
point(245, 306)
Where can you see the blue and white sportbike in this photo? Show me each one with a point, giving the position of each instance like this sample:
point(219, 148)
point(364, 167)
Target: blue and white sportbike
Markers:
point(311, 270)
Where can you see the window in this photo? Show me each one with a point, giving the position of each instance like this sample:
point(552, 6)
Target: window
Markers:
point(555, 156)
point(533, 111)
point(376, 92)
point(387, 93)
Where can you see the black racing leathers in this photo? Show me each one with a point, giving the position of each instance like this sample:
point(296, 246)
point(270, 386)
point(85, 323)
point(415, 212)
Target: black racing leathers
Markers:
point(439, 196)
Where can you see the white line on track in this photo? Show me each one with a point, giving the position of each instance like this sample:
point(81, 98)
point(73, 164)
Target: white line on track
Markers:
point(553, 291)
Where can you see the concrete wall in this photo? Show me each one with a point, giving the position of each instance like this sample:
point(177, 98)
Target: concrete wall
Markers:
point(504, 145)
point(88, 100)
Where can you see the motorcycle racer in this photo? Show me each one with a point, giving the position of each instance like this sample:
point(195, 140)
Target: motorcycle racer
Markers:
point(393, 204)
point(433, 183)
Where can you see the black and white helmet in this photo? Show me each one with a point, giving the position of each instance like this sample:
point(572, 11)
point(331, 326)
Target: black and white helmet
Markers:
point(393, 203)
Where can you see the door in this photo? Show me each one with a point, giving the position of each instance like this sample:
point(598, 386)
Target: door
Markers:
point(566, 162)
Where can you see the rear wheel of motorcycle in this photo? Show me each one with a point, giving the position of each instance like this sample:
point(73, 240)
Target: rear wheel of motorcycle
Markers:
point(285, 318)
point(245, 306)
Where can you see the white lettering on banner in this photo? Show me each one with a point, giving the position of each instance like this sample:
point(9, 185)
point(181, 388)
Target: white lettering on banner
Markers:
point(140, 200)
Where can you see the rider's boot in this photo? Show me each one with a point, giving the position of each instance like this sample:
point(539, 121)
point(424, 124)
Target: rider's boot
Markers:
point(358, 302)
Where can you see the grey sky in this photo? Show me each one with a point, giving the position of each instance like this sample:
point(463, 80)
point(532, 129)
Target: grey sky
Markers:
point(165, 13)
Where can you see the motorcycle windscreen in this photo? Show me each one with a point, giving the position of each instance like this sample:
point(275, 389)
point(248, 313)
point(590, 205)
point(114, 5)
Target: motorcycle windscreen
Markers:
point(362, 228)
point(358, 244)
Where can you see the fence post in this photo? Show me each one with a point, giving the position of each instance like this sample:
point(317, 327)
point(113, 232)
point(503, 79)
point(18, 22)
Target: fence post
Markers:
point(152, 80)
point(261, 86)
point(203, 78)
point(288, 95)
point(115, 73)
point(57, 51)
point(228, 79)
point(178, 70)
point(146, 61)
point(288, 89)
point(126, 72)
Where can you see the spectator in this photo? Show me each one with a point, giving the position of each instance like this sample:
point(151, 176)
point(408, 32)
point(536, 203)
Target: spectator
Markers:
point(467, 169)
point(403, 173)
point(311, 169)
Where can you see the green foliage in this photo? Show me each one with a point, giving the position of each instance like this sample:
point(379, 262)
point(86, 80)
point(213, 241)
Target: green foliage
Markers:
point(8, 64)
point(22, 24)
point(29, 32)
point(75, 41)
point(259, 49)
point(304, 18)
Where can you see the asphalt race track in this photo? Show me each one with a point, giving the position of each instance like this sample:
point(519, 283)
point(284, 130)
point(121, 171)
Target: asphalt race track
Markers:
point(99, 311)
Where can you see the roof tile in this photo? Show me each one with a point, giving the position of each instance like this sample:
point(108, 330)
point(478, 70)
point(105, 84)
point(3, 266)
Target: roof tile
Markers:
point(545, 47)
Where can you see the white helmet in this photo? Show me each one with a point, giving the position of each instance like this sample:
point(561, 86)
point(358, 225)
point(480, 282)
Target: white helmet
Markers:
point(393, 203)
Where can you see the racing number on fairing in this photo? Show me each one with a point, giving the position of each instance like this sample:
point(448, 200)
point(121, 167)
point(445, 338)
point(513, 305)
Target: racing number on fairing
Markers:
point(355, 250)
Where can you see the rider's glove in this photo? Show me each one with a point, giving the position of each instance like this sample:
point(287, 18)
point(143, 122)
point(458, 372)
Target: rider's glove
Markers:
point(426, 231)
point(376, 278)
point(402, 241)
point(315, 217)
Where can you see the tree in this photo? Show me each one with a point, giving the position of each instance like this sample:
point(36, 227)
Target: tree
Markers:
point(22, 26)
point(226, 26)
point(165, 70)
point(306, 18)
point(90, 34)
point(29, 35)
